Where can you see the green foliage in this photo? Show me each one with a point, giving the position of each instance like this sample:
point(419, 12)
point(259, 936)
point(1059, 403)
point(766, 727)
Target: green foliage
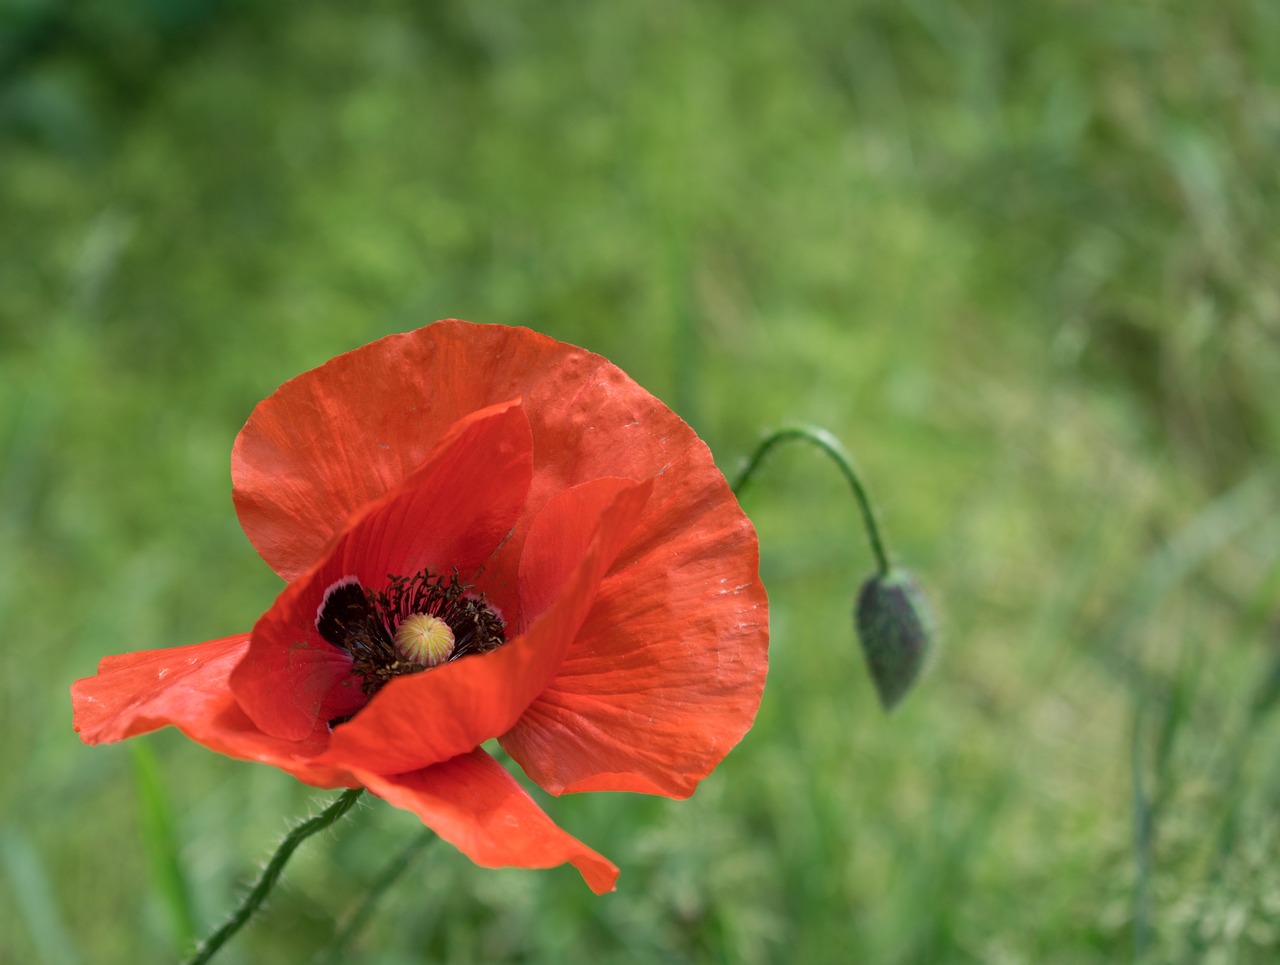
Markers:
point(1018, 257)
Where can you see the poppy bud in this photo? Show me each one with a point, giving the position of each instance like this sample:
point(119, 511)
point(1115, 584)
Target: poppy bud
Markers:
point(896, 632)
point(424, 640)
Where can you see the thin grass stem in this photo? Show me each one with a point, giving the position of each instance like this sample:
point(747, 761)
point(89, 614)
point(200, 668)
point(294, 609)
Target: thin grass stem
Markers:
point(1143, 829)
point(390, 874)
point(161, 844)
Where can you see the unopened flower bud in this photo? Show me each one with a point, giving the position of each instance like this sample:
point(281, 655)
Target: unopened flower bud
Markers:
point(896, 632)
point(424, 640)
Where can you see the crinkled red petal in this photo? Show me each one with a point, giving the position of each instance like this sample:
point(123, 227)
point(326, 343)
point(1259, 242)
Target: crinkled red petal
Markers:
point(560, 537)
point(422, 719)
point(135, 693)
point(452, 513)
point(332, 439)
point(475, 805)
point(666, 674)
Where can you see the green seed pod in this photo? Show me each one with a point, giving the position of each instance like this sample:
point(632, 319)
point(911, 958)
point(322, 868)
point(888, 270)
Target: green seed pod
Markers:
point(896, 632)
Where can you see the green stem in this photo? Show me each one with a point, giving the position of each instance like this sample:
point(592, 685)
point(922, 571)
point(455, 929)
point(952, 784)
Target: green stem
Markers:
point(1143, 832)
point(829, 444)
point(161, 844)
point(271, 873)
point(394, 869)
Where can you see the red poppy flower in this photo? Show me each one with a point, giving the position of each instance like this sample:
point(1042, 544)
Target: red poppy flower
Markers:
point(485, 533)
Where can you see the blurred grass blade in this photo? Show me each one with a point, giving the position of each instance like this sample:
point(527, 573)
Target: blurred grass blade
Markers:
point(1175, 711)
point(390, 874)
point(1268, 692)
point(24, 868)
point(1223, 521)
point(687, 344)
point(1143, 832)
point(1265, 604)
point(163, 860)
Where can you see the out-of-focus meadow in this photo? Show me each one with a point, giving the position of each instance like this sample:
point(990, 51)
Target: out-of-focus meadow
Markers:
point(1021, 257)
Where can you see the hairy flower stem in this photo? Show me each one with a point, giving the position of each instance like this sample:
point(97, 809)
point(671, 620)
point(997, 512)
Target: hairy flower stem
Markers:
point(271, 873)
point(829, 444)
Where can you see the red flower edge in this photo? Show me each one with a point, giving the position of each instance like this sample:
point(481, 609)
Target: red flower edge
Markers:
point(588, 514)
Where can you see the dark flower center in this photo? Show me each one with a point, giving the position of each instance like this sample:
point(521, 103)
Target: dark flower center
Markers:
point(364, 623)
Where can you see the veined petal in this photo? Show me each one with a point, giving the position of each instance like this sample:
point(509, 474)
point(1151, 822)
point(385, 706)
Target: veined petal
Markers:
point(333, 439)
point(135, 693)
point(424, 718)
point(666, 674)
point(451, 513)
point(330, 440)
point(560, 537)
point(475, 805)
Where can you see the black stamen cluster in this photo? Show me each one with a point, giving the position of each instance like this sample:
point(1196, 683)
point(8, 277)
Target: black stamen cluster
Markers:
point(363, 622)
point(476, 628)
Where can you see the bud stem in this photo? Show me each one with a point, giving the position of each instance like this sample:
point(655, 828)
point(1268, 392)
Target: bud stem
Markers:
point(829, 444)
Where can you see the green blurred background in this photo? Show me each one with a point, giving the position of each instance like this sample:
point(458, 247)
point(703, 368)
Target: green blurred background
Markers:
point(1021, 257)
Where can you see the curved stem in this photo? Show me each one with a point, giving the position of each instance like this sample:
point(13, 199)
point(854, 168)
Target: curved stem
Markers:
point(829, 444)
point(271, 873)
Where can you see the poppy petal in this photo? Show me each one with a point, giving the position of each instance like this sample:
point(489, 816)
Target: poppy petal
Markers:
point(332, 439)
point(136, 693)
point(335, 438)
point(474, 804)
point(449, 514)
point(422, 719)
point(559, 538)
point(667, 672)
